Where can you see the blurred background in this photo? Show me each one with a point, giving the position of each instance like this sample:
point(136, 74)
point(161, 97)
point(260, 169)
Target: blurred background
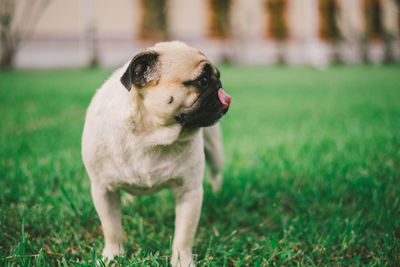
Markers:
point(75, 33)
point(312, 170)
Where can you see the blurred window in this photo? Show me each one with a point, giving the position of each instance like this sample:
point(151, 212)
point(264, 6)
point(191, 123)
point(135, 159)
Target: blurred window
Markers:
point(154, 20)
point(373, 19)
point(219, 11)
point(277, 24)
point(328, 26)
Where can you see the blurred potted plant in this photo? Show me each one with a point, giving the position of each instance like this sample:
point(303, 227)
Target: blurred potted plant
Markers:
point(154, 20)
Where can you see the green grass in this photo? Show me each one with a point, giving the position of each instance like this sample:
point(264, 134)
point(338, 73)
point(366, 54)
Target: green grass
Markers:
point(312, 173)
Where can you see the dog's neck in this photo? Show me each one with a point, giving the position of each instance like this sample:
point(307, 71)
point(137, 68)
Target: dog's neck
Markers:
point(151, 132)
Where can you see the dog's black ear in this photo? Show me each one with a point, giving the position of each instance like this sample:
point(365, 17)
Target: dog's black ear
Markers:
point(144, 69)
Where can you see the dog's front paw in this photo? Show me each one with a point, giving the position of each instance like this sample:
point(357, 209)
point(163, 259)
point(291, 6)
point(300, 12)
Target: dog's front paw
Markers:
point(182, 260)
point(112, 251)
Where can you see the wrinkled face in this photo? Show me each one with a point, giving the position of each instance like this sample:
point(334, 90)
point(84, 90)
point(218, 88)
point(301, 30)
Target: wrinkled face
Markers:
point(178, 84)
point(211, 102)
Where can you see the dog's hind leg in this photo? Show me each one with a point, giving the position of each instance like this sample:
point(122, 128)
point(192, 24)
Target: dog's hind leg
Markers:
point(214, 155)
point(108, 207)
point(127, 198)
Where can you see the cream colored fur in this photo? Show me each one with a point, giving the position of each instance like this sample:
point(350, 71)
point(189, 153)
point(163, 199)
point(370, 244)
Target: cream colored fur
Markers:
point(131, 142)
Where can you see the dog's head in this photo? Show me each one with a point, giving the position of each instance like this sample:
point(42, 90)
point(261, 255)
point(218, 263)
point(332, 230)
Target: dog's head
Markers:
point(177, 84)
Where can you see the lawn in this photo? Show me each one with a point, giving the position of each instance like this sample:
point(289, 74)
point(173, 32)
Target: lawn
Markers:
point(312, 173)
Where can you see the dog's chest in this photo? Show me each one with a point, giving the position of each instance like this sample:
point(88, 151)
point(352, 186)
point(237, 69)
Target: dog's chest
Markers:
point(143, 172)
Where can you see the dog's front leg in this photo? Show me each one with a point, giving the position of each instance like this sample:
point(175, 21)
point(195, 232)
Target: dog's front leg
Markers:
point(108, 207)
point(188, 208)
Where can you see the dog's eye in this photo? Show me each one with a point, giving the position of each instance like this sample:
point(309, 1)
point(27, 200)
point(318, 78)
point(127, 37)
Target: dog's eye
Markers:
point(203, 82)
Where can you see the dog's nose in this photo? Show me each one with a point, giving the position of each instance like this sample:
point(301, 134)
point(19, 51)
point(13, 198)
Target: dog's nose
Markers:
point(224, 98)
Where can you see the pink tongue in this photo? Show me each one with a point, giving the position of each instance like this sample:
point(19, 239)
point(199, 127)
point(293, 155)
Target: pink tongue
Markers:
point(224, 98)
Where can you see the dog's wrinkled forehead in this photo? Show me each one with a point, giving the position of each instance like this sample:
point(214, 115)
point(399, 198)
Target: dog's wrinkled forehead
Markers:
point(180, 62)
point(169, 62)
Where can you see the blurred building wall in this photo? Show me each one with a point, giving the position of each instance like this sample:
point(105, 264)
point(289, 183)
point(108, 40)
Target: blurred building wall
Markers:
point(74, 32)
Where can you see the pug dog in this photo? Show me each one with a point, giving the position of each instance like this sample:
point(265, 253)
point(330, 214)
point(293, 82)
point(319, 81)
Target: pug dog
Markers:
point(152, 125)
